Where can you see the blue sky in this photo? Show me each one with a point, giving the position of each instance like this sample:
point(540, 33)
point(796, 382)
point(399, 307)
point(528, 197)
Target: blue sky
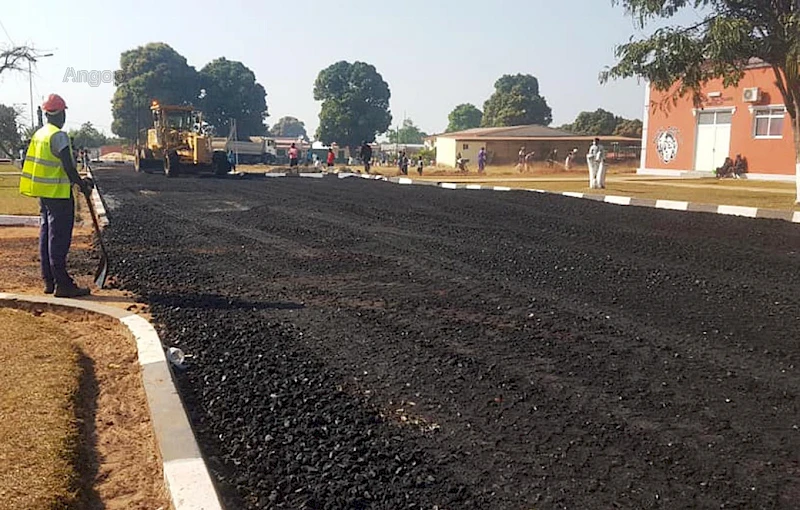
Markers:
point(434, 54)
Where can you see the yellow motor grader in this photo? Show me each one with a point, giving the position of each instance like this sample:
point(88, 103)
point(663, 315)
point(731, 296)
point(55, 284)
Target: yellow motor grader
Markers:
point(177, 143)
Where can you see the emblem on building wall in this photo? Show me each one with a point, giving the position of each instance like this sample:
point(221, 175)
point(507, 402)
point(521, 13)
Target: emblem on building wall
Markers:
point(667, 144)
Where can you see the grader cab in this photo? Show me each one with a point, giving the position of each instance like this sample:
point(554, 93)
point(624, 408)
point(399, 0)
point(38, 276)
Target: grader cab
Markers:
point(177, 143)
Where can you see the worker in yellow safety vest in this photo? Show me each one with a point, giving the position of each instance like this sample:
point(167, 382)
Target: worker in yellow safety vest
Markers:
point(48, 174)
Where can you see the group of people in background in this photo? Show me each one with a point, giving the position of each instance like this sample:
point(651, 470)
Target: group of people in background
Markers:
point(731, 168)
point(403, 163)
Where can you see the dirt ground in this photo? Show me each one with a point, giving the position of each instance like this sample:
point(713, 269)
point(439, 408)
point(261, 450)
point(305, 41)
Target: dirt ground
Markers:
point(38, 423)
point(358, 344)
point(119, 462)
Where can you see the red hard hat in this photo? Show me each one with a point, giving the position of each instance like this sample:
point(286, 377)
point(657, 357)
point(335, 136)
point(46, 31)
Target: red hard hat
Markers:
point(54, 103)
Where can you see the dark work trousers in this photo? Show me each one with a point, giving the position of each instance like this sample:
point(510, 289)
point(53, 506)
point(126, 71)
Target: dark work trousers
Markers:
point(55, 237)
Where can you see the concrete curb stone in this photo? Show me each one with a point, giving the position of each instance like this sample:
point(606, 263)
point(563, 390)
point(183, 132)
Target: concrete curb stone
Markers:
point(10, 220)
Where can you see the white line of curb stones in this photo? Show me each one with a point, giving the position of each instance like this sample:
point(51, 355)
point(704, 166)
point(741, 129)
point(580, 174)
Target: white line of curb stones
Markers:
point(674, 205)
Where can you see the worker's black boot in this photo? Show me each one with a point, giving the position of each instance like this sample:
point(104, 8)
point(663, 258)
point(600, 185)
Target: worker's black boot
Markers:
point(49, 287)
point(70, 291)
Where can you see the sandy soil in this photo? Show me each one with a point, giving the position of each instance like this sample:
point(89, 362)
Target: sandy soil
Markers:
point(120, 464)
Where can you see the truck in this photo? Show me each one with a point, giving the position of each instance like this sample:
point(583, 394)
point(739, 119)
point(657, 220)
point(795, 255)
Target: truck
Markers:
point(256, 150)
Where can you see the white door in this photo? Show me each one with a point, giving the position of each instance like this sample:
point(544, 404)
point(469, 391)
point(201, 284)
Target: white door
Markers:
point(713, 139)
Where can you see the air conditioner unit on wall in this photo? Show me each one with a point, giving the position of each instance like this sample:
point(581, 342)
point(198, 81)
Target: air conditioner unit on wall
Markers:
point(751, 95)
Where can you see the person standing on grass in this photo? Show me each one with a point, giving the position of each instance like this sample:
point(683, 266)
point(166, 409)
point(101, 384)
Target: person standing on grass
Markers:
point(366, 156)
point(591, 162)
point(420, 165)
point(49, 172)
point(403, 162)
point(522, 161)
point(331, 158)
point(294, 156)
point(482, 160)
point(600, 157)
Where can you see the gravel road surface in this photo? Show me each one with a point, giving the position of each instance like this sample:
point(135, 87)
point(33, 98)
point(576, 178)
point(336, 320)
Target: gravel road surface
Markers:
point(359, 344)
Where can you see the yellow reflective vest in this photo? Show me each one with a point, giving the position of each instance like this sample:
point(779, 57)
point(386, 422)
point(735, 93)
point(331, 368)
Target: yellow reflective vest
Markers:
point(43, 175)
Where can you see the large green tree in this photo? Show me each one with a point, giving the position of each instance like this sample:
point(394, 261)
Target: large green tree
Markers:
point(632, 128)
point(355, 104)
point(154, 71)
point(516, 102)
point(289, 127)
point(10, 140)
point(681, 60)
point(603, 123)
point(407, 133)
point(599, 122)
point(88, 136)
point(230, 91)
point(464, 116)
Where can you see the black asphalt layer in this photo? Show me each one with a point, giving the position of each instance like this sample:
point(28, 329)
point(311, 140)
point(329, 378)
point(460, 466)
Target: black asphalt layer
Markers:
point(359, 344)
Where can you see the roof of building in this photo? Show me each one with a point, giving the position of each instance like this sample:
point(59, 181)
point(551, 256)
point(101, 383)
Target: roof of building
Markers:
point(528, 132)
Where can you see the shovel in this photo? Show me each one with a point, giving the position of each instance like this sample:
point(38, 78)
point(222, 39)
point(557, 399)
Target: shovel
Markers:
point(102, 270)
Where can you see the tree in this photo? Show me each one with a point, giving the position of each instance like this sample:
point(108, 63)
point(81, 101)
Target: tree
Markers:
point(230, 91)
point(355, 104)
point(151, 72)
point(680, 60)
point(88, 136)
point(464, 116)
point(10, 140)
point(516, 102)
point(12, 59)
point(603, 123)
point(408, 133)
point(428, 154)
point(631, 128)
point(289, 127)
point(599, 123)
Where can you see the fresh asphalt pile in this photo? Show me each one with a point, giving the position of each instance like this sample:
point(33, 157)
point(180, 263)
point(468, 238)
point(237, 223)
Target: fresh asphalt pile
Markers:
point(359, 344)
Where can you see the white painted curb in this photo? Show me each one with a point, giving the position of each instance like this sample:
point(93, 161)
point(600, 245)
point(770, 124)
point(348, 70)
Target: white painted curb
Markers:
point(736, 210)
point(675, 205)
point(10, 220)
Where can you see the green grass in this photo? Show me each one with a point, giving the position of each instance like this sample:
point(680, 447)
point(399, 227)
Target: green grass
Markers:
point(11, 202)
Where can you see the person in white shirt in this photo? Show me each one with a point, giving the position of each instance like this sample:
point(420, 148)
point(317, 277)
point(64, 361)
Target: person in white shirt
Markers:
point(591, 162)
point(600, 165)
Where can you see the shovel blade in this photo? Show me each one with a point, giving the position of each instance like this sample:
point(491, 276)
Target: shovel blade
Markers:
point(101, 273)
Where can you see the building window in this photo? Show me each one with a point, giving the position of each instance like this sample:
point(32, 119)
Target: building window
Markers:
point(465, 147)
point(768, 122)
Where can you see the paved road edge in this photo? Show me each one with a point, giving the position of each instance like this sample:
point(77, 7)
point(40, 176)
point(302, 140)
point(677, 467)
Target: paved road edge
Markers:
point(729, 210)
point(187, 478)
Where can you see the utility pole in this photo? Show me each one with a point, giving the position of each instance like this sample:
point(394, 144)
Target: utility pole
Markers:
point(30, 83)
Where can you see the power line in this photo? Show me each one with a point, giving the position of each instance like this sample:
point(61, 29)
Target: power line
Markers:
point(6, 32)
